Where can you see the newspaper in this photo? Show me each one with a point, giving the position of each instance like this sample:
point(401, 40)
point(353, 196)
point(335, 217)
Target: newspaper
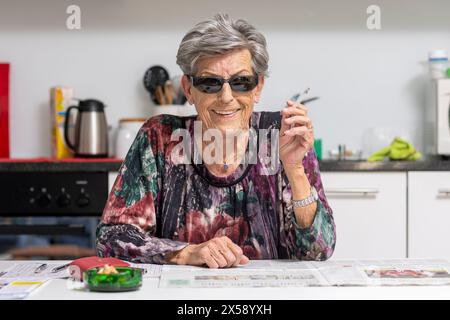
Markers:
point(148, 270)
point(13, 289)
point(46, 270)
point(34, 270)
point(288, 273)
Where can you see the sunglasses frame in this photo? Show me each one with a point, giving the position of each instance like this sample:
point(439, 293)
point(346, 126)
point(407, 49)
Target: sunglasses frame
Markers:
point(222, 81)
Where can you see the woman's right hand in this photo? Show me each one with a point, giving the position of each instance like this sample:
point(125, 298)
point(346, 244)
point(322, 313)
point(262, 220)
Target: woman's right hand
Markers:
point(215, 253)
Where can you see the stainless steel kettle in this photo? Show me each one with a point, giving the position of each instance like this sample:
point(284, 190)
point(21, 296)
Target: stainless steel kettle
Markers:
point(89, 138)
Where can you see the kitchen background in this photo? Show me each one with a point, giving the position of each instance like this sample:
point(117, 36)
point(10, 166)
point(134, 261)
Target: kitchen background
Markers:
point(364, 78)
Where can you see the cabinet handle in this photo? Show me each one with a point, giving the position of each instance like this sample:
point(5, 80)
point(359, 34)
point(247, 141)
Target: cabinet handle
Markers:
point(365, 192)
point(445, 192)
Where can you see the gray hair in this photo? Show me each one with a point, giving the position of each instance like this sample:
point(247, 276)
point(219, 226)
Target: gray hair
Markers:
point(219, 35)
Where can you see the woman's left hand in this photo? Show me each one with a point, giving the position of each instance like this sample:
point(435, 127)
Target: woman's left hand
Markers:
point(295, 142)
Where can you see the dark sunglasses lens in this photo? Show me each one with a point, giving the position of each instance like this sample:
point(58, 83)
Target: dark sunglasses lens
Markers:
point(243, 83)
point(208, 85)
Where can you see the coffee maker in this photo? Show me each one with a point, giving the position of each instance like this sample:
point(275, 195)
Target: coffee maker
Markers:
point(437, 118)
point(86, 131)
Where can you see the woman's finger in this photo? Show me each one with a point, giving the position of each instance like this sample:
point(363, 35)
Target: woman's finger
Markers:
point(291, 103)
point(217, 256)
point(237, 251)
point(295, 109)
point(210, 261)
point(297, 131)
point(228, 254)
point(292, 111)
point(299, 120)
point(244, 260)
point(286, 113)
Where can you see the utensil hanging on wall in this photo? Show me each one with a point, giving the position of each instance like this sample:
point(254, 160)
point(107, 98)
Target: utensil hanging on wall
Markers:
point(154, 77)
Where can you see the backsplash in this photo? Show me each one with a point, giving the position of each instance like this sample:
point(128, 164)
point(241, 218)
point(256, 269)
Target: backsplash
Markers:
point(365, 79)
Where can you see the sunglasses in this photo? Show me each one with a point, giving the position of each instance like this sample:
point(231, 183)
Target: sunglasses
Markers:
point(215, 84)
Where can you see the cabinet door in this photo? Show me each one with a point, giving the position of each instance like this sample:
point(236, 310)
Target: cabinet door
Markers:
point(369, 210)
point(429, 214)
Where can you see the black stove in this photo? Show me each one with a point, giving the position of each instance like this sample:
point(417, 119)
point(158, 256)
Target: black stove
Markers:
point(53, 193)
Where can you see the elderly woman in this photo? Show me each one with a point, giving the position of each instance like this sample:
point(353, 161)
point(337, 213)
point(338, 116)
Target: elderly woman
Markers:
point(220, 213)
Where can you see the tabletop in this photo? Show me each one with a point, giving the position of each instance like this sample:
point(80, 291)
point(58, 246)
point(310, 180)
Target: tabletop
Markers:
point(152, 289)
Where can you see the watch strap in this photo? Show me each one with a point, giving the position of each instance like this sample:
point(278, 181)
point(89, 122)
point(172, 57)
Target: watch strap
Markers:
point(307, 201)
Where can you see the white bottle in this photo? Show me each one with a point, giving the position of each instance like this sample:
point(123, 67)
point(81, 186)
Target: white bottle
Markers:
point(127, 131)
point(438, 64)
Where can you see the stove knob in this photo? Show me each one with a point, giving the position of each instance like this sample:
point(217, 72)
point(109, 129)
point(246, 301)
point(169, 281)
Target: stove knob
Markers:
point(63, 200)
point(83, 200)
point(43, 199)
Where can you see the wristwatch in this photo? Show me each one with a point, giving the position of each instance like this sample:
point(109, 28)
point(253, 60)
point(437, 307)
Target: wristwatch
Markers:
point(307, 201)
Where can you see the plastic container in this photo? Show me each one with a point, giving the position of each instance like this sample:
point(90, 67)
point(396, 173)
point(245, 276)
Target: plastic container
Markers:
point(127, 279)
point(438, 64)
point(126, 133)
point(318, 148)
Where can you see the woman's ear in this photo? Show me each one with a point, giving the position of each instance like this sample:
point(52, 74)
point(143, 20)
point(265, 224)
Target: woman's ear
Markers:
point(259, 88)
point(187, 87)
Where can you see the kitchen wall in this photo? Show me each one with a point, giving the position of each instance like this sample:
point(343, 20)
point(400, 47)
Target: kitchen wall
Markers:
point(364, 78)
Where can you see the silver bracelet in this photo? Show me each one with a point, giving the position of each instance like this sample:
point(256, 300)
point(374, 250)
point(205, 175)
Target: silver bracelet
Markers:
point(307, 201)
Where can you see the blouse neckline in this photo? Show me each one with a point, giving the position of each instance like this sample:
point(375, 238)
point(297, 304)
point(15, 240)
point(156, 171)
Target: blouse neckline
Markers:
point(227, 181)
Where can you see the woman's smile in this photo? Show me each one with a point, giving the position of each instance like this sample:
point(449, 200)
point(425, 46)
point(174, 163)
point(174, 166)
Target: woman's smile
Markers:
point(228, 114)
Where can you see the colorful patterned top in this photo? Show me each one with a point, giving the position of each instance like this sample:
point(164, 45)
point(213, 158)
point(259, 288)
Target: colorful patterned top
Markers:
point(156, 206)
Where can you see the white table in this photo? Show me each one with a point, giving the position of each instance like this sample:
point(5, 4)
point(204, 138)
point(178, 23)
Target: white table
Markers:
point(57, 289)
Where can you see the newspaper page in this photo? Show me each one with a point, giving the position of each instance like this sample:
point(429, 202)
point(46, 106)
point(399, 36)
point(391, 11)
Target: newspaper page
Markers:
point(385, 272)
point(262, 273)
point(290, 273)
point(407, 272)
point(148, 270)
point(35, 270)
point(14, 289)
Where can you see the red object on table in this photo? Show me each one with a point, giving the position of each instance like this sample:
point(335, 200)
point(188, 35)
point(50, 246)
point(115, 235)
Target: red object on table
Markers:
point(79, 266)
point(4, 113)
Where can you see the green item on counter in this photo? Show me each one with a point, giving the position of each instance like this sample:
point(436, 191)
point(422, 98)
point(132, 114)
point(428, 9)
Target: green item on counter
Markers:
point(318, 148)
point(126, 279)
point(448, 72)
point(399, 149)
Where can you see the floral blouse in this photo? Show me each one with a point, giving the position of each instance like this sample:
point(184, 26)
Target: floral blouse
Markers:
point(157, 206)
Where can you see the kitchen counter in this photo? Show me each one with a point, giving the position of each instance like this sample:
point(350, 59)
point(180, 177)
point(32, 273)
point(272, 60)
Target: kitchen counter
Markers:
point(113, 164)
point(432, 164)
point(60, 165)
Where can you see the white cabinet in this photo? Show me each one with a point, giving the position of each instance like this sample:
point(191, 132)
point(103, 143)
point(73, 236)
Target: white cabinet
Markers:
point(429, 214)
point(369, 210)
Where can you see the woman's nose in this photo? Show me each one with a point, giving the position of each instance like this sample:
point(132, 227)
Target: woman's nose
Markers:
point(226, 94)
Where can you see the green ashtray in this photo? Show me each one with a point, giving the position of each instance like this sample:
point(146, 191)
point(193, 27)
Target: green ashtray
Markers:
point(126, 279)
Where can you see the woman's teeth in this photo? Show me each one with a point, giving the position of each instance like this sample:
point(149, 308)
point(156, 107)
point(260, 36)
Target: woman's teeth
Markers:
point(226, 113)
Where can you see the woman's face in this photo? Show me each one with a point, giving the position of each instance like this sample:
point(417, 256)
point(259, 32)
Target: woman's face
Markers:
point(210, 105)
